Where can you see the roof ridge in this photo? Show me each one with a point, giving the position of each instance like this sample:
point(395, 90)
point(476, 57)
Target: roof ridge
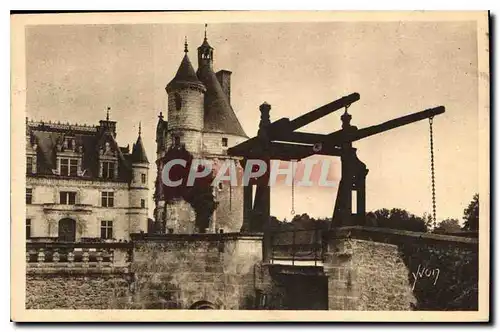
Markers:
point(60, 126)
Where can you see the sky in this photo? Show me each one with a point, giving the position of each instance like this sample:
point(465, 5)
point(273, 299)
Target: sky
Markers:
point(74, 72)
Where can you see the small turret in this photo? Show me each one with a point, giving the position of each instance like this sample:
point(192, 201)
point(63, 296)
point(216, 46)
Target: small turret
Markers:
point(139, 193)
point(205, 53)
point(138, 151)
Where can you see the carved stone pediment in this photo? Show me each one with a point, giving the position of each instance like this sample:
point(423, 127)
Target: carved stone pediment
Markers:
point(107, 150)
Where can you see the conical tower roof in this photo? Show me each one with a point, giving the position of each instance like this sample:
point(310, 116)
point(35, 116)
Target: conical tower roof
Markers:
point(138, 151)
point(186, 74)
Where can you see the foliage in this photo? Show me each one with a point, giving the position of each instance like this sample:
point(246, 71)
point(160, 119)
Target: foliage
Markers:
point(200, 195)
point(448, 226)
point(397, 219)
point(471, 215)
point(300, 221)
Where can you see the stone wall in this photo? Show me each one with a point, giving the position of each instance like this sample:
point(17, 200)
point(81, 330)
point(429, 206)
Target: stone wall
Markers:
point(229, 213)
point(176, 271)
point(384, 269)
point(212, 143)
point(171, 271)
point(76, 291)
point(363, 268)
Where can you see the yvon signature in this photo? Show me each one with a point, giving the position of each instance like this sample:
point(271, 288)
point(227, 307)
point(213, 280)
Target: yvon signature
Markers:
point(424, 272)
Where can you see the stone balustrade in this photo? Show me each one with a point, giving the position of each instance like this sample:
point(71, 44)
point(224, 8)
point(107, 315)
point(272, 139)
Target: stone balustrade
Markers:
point(52, 257)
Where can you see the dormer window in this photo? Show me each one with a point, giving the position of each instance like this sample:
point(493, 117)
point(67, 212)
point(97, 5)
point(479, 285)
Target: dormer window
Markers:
point(108, 170)
point(31, 158)
point(108, 162)
point(29, 165)
point(178, 102)
point(68, 167)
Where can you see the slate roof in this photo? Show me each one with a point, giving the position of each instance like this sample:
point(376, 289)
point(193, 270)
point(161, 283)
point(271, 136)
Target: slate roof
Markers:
point(138, 152)
point(185, 75)
point(91, 138)
point(219, 115)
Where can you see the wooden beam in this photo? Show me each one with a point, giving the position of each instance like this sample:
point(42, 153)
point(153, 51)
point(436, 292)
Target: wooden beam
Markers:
point(287, 151)
point(344, 136)
point(398, 122)
point(322, 111)
point(299, 137)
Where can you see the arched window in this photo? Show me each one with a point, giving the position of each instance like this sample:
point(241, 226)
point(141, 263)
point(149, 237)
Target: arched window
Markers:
point(178, 102)
point(67, 230)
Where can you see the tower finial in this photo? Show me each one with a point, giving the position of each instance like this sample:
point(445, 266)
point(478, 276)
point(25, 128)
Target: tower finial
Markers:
point(185, 44)
point(139, 128)
point(107, 113)
point(206, 31)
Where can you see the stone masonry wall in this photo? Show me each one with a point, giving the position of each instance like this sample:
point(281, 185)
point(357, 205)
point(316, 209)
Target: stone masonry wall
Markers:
point(175, 271)
point(75, 291)
point(366, 275)
point(383, 269)
point(45, 210)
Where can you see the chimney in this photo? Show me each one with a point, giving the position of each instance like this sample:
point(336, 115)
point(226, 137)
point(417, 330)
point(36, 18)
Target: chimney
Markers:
point(224, 78)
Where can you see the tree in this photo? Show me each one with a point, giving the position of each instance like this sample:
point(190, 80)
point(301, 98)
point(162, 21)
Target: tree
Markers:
point(471, 215)
point(449, 225)
point(396, 219)
point(429, 220)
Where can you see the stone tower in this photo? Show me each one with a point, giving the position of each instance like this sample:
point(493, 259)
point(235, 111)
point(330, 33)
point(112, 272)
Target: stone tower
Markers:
point(201, 121)
point(185, 108)
point(139, 192)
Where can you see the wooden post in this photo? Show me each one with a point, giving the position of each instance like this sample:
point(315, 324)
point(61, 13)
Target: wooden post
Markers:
point(247, 208)
point(342, 215)
point(263, 192)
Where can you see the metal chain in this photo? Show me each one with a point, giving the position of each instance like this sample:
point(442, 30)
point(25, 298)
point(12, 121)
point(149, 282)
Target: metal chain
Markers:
point(433, 180)
point(292, 212)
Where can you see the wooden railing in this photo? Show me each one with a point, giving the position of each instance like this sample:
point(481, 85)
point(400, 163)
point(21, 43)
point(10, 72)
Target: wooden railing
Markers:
point(59, 255)
point(297, 246)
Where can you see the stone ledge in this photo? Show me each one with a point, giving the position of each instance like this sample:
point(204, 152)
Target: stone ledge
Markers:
point(395, 236)
point(76, 271)
point(138, 238)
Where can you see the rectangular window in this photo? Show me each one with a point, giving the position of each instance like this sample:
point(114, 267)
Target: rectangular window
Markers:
point(143, 178)
point(73, 167)
point(177, 141)
point(143, 203)
point(69, 167)
point(106, 229)
point(107, 199)
point(29, 165)
point(29, 196)
point(224, 142)
point(108, 170)
point(28, 228)
point(67, 197)
point(64, 167)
